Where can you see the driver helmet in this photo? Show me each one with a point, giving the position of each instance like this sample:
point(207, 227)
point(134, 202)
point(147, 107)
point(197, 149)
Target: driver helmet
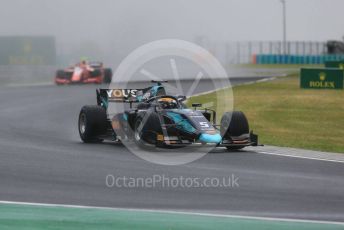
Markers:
point(168, 103)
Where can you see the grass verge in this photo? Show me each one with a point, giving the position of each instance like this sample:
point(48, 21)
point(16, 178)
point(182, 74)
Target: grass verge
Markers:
point(285, 115)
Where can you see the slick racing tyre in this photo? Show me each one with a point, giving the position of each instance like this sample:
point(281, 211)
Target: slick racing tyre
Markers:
point(92, 123)
point(234, 124)
point(107, 76)
point(96, 73)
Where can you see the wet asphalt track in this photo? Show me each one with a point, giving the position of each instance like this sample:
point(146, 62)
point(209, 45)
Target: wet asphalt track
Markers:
point(42, 160)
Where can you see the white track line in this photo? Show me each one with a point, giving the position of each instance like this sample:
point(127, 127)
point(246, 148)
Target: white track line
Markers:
point(174, 212)
point(232, 86)
point(302, 157)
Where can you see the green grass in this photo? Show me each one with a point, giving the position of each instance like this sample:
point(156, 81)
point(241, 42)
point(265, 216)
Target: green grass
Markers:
point(17, 217)
point(285, 115)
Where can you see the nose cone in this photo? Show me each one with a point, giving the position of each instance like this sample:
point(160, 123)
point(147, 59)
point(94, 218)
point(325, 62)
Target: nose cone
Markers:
point(210, 138)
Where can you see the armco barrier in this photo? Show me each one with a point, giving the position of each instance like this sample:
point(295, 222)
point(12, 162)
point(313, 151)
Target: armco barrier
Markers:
point(330, 78)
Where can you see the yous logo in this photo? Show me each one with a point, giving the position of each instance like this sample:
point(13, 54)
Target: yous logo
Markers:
point(121, 93)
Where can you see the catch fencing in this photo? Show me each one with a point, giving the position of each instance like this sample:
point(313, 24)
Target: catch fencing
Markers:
point(270, 52)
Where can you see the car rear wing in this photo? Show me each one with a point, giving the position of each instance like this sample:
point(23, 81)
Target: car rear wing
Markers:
point(106, 96)
point(119, 95)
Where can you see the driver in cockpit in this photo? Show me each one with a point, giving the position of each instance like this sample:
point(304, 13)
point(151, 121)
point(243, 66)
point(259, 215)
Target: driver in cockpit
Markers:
point(168, 103)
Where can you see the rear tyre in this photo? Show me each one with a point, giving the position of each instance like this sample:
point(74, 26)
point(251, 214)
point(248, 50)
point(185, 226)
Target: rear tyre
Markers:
point(92, 123)
point(107, 76)
point(96, 73)
point(234, 124)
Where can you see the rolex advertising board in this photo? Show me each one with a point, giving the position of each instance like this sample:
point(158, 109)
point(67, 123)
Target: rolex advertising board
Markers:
point(334, 64)
point(321, 78)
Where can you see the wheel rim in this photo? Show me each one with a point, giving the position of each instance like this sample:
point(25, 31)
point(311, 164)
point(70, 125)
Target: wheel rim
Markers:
point(82, 123)
point(137, 136)
point(137, 133)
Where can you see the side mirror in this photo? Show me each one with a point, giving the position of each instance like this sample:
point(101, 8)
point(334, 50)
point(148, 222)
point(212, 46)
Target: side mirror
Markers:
point(181, 98)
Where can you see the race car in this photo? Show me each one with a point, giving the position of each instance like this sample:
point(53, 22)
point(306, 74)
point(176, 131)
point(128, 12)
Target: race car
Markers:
point(83, 73)
point(161, 121)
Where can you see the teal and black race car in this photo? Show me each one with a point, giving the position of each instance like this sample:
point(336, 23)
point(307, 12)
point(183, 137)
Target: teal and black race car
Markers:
point(155, 119)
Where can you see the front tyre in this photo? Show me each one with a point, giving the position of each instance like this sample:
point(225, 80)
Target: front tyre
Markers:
point(142, 137)
point(145, 135)
point(92, 123)
point(234, 125)
point(107, 76)
point(138, 133)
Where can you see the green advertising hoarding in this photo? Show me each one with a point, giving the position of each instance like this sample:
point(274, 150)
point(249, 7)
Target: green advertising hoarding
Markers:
point(335, 64)
point(321, 78)
point(27, 50)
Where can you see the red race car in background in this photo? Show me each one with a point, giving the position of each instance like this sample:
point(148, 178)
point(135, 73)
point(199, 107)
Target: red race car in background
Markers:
point(84, 73)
